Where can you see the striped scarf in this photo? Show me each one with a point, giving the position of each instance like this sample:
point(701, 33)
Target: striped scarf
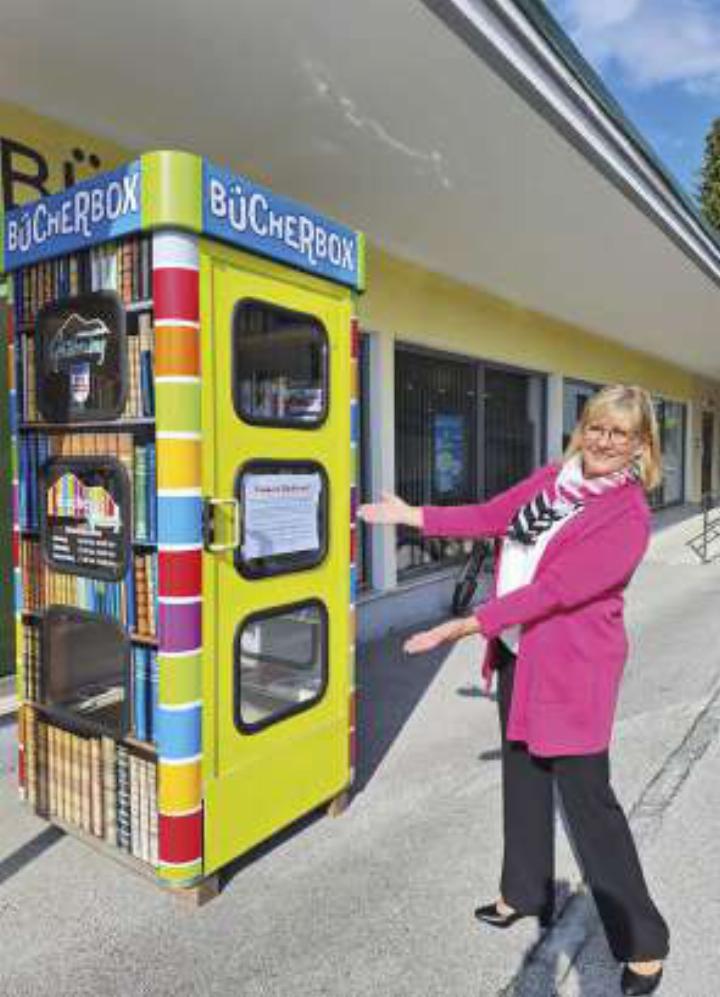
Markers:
point(565, 495)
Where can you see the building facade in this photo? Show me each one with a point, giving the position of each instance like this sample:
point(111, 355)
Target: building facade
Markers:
point(524, 245)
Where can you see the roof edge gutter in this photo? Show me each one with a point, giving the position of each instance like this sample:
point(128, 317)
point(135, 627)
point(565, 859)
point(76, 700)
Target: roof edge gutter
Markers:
point(507, 40)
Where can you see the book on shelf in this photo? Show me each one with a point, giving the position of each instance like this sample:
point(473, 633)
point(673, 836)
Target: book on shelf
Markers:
point(136, 456)
point(96, 783)
point(124, 266)
point(144, 696)
point(30, 637)
point(133, 604)
point(93, 783)
point(153, 809)
point(109, 788)
point(135, 844)
point(124, 837)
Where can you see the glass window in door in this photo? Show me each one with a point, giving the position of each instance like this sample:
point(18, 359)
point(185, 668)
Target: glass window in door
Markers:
point(280, 366)
point(281, 663)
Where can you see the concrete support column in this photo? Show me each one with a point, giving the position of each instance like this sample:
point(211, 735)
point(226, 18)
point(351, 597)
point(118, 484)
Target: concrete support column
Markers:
point(554, 416)
point(693, 452)
point(382, 454)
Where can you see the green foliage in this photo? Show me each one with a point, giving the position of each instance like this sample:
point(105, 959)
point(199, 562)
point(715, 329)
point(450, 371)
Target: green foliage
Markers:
point(710, 176)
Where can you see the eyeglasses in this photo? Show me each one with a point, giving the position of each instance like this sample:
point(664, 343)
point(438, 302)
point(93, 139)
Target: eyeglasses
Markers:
point(619, 438)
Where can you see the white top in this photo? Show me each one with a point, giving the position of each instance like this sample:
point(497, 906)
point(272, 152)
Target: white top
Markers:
point(519, 561)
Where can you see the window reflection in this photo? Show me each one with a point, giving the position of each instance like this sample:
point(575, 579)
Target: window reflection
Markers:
point(279, 365)
point(280, 663)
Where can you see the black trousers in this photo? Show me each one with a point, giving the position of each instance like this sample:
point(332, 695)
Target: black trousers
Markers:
point(634, 927)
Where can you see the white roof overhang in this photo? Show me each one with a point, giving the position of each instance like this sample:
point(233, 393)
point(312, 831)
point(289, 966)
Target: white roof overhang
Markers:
point(451, 131)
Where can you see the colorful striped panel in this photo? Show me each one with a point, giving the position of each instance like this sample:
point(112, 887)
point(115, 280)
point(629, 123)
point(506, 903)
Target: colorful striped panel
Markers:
point(354, 421)
point(181, 789)
point(354, 451)
point(177, 350)
point(178, 461)
point(179, 520)
point(183, 874)
point(179, 725)
point(179, 398)
point(178, 731)
point(179, 624)
point(176, 293)
point(180, 838)
point(15, 535)
point(180, 572)
point(180, 678)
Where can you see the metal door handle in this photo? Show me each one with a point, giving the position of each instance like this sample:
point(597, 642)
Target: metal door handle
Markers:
point(209, 524)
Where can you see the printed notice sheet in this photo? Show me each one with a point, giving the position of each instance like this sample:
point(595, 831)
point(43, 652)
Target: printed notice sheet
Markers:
point(280, 514)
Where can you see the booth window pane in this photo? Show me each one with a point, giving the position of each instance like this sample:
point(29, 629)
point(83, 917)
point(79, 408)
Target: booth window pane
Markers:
point(280, 372)
point(84, 669)
point(81, 356)
point(280, 663)
point(284, 523)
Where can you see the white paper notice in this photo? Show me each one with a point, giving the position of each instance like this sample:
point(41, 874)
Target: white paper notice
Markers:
point(280, 514)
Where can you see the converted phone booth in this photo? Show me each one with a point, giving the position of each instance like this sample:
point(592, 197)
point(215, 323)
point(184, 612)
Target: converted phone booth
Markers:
point(183, 387)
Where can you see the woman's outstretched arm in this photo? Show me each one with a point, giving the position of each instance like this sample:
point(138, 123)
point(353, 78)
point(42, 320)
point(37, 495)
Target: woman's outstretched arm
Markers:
point(484, 519)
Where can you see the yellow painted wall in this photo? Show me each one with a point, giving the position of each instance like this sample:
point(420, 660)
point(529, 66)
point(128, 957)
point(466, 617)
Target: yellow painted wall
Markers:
point(37, 155)
point(402, 298)
point(433, 310)
point(33, 145)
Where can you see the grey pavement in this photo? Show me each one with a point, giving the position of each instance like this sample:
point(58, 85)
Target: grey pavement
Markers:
point(379, 901)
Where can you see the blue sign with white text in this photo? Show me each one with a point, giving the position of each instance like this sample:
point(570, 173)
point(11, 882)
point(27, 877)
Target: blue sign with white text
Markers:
point(97, 210)
point(238, 211)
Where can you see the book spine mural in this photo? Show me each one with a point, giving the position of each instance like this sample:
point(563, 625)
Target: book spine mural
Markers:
point(65, 478)
point(177, 404)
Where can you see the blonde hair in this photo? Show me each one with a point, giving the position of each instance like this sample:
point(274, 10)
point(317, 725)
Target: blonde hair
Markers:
point(636, 403)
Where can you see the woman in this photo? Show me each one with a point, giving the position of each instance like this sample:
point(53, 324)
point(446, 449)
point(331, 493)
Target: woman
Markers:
point(572, 535)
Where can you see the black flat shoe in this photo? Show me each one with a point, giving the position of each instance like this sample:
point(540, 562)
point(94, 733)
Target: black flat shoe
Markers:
point(634, 984)
point(489, 914)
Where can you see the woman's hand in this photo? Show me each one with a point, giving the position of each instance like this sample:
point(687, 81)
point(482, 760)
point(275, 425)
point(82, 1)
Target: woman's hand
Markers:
point(428, 640)
point(391, 510)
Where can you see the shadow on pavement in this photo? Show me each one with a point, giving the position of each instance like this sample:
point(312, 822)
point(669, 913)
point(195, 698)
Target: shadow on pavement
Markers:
point(555, 963)
point(389, 687)
point(28, 852)
point(662, 519)
point(390, 684)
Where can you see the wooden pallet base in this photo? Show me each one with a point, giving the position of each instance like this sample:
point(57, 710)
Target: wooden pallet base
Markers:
point(339, 804)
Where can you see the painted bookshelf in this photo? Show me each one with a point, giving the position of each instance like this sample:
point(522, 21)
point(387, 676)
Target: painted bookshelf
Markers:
point(89, 751)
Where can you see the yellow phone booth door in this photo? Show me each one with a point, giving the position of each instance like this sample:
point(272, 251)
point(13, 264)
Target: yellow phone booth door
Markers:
point(276, 461)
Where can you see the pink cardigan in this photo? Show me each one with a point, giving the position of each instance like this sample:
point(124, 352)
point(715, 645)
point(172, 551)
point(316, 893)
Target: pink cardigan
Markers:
point(573, 642)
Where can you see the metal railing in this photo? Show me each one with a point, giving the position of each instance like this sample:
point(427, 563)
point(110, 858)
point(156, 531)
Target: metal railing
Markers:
point(701, 543)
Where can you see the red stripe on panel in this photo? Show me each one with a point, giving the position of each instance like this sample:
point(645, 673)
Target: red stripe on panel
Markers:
point(176, 294)
point(180, 838)
point(179, 573)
